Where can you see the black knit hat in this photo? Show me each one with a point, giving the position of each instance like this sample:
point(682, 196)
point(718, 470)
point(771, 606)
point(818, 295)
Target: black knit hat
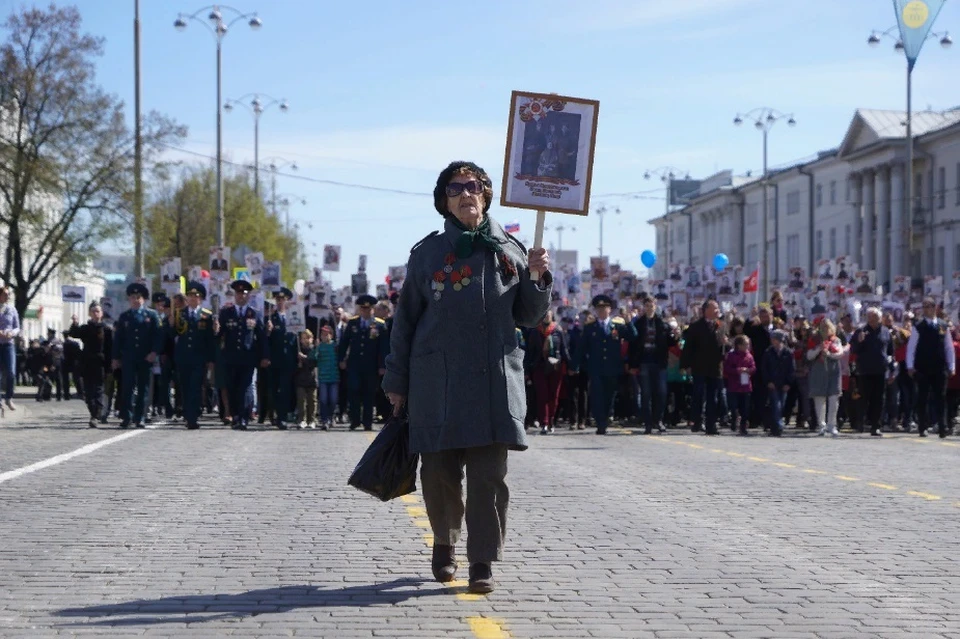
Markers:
point(440, 191)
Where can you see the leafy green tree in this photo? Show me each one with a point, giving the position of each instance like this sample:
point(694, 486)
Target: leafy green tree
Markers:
point(181, 222)
point(66, 154)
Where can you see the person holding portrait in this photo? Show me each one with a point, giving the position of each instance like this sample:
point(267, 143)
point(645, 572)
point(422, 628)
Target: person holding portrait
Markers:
point(454, 362)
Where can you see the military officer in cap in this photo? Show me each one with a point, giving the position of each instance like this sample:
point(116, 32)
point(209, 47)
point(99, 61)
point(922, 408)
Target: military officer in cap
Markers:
point(95, 358)
point(137, 341)
point(599, 350)
point(283, 347)
point(194, 350)
point(243, 344)
point(162, 382)
point(362, 351)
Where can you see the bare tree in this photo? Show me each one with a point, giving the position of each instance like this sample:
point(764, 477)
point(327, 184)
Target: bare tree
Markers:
point(66, 154)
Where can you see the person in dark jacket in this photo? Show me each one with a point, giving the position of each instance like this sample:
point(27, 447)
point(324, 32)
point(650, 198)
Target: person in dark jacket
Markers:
point(930, 362)
point(703, 352)
point(778, 373)
point(545, 360)
point(758, 330)
point(579, 383)
point(872, 345)
point(71, 362)
point(93, 363)
point(648, 362)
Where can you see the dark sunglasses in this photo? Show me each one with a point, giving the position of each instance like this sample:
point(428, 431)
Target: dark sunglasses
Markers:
point(456, 188)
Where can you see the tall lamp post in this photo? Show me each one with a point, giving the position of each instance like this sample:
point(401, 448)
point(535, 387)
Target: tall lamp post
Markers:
point(667, 175)
point(914, 213)
point(602, 211)
point(256, 107)
point(137, 149)
point(763, 120)
point(218, 27)
point(275, 165)
point(285, 200)
point(560, 228)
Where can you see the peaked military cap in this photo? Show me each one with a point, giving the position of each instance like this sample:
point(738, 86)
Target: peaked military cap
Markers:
point(241, 286)
point(365, 301)
point(198, 288)
point(284, 292)
point(138, 289)
point(602, 300)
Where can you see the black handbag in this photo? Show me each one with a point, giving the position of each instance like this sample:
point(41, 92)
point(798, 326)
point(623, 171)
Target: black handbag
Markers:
point(388, 469)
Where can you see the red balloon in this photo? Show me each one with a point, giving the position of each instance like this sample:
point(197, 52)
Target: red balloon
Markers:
point(205, 274)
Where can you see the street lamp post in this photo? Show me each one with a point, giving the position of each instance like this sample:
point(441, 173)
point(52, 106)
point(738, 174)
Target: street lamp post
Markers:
point(666, 174)
point(560, 228)
point(946, 42)
point(601, 213)
point(256, 107)
point(285, 200)
point(275, 165)
point(764, 118)
point(219, 30)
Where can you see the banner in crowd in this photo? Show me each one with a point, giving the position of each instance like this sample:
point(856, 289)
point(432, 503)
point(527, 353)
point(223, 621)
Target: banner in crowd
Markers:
point(254, 263)
point(219, 265)
point(270, 277)
point(74, 294)
point(170, 270)
point(331, 257)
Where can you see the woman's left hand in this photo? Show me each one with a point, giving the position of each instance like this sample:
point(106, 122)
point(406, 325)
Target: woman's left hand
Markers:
point(538, 260)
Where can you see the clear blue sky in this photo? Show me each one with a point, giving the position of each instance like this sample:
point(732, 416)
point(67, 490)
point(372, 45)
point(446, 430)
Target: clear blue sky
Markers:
point(386, 93)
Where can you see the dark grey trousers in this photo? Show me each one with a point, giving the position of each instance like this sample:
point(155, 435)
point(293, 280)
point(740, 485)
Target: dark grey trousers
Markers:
point(441, 478)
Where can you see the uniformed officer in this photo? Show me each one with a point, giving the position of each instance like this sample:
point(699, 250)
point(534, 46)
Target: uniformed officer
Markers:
point(930, 362)
point(94, 362)
point(137, 340)
point(283, 349)
point(599, 350)
point(194, 351)
point(243, 344)
point(162, 382)
point(361, 352)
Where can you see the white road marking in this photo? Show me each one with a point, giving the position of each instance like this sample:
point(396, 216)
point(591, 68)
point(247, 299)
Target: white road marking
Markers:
point(59, 459)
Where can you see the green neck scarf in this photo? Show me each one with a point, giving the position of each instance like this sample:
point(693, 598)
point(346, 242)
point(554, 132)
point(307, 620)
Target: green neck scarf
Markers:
point(469, 238)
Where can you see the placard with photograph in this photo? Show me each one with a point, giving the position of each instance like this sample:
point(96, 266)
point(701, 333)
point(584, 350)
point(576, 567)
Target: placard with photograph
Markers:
point(254, 263)
point(864, 283)
point(693, 280)
point(331, 257)
point(382, 292)
point(296, 317)
point(362, 264)
point(845, 269)
point(358, 284)
point(933, 286)
point(679, 302)
point(901, 289)
point(660, 289)
point(397, 274)
point(600, 268)
point(219, 262)
point(169, 269)
point(195, 273)
point(798, 279)
point(676, 272)
point(548, 163)
point(75, 294)
point(270, 277)
point(825, 270)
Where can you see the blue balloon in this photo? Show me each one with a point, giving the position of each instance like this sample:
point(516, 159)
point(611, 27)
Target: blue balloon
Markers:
point(648, 258)
point(720, 261)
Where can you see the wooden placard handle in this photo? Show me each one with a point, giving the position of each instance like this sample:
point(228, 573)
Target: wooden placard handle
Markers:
point(538, 239)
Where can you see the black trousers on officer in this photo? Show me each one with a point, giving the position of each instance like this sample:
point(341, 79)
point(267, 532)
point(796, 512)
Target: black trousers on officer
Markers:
point(931, 389)
point(239, 378)
point(363, 392)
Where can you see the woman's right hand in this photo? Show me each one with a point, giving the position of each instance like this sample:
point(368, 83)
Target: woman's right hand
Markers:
point(397, 401)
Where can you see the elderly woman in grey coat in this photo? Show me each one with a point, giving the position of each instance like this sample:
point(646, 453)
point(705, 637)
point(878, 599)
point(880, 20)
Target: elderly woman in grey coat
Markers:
point(825, 352)
point(455, 363)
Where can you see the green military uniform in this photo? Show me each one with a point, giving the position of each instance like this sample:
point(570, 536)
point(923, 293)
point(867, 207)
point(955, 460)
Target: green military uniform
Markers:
point(363, 347)
point(283, 346)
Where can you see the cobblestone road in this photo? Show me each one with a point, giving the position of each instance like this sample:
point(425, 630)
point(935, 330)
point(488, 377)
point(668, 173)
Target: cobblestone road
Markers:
point(217, 533)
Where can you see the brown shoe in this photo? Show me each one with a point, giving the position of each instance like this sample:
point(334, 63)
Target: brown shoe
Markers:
point(444, 563)
point(481, 579)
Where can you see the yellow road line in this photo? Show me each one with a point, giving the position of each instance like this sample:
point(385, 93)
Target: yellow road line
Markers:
point(758, 459)
point(733, 454)
point(927, 496)
point(784, 465)
point(717, 450)
point(487, 628)
point(884, 486)
point(847, 478)
point(951, 444)
point(695, 446)
point(409, 499)
point(416, 511)
point(813, 471)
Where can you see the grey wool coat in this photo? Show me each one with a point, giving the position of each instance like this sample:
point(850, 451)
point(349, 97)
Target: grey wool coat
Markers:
point(453, 349)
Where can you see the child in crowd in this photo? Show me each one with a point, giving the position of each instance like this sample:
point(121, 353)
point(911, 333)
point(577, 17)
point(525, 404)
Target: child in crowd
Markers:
point(305, 381)
point(777, 366)
point(738, 369)
point(329, 376)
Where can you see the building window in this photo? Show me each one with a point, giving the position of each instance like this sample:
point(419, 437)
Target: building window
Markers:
point(772, 208)
point(918, 191)
point(681, 234)
point(956, 257)
point(847, 239)
point(819, 195)
point(930, 189)
point(941, 187)
point(833, 192)
point(818, 249)
point(752, 213)
point(694, 231)
point(958, 190)
point(833, 243)
point(793, 202)
point(941, 259)
point(753, 254)
point(849, 188)
point(793, 250)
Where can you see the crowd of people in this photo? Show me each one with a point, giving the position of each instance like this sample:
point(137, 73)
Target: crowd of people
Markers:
point(749, 374)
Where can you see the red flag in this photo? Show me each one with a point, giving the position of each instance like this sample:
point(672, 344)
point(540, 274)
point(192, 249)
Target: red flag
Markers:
point(752, 283)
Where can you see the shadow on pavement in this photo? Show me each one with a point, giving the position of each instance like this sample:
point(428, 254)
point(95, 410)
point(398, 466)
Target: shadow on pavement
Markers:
point(201, 608)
